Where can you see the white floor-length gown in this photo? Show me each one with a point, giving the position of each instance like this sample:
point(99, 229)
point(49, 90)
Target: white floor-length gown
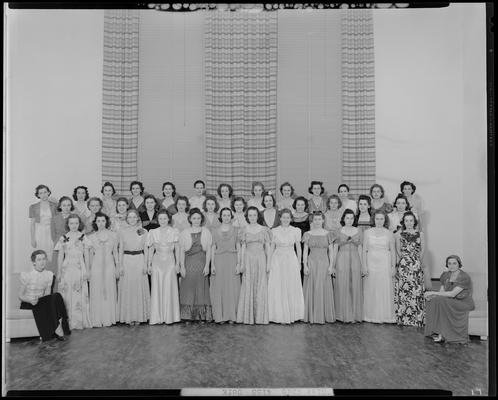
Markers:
point(378, 287)
point(285, 293)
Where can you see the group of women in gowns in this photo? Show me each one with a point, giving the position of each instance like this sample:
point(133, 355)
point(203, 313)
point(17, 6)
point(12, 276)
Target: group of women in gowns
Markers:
point(242, 265)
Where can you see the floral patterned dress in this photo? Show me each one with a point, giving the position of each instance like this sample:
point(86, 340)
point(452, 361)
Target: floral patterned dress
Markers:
point(72, 286)
point(409, 288)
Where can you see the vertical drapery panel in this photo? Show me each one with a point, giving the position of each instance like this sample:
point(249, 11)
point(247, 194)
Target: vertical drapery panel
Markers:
point(358, 100)
point(120, 98)
point(241, 99)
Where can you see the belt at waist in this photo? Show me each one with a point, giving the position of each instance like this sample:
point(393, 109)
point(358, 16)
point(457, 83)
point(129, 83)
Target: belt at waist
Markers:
point(134, 252)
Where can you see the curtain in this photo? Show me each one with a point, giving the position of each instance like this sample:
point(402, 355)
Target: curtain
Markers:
point(358, 100)
point(120, 98)
point(241, 99)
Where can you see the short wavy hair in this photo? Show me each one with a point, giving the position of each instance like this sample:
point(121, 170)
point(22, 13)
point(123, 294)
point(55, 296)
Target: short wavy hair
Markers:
point(107, 220)
point(334, 196)
point(348, 211)
point(213, 198)
point(287, 184)
point(257, 183)
point(75, 191)
point(110, 185)
point(402, 196)
point(173, 194)
point(300, 198)
point(185, 199)
point(142, 189)
point(376, 185)
point(386, 219)
point(313, 183)
point(252, 208)
point(135, 212)
point(408, 213)
point(318, 214)
point(73, 216)
point(239, 198)
point(193, 211)
point(287, 211)
point(121, 200)
point(454, 257)
point(230, 189)
point(64, 198)
point(99, 200)
point(225, 209)
point(165, 212)
point(37, 253)
point(151, 196)
point(342, 185)
point(406, 183)
point(39, 187)
point(266, 194)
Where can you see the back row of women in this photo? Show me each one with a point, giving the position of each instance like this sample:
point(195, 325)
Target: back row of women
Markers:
point(237, 261)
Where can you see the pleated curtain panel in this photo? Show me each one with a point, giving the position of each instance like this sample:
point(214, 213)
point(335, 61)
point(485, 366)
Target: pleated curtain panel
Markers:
point(120, 98)
point(241, 99)
point(358, 100)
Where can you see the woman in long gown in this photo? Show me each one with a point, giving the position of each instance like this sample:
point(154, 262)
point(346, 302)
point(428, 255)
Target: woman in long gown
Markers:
point(301, 220)
point(318, 290)
point(225, 195)
point(379, 257)
point(195, 256)
point(118, 221)
point(59, 224)
point(253, 299)
point(225, 269)
point(409, 287)
point(211, 208)
point(333, 214)
point(103, 251)
point(169, 193)
point(378, 200)
point(80, 197)
point(447, 311)
point(41, 215)
point(363, 217)
point(73, 274)
point(257, 196)
point(285, 293)
point(180, 219)
point(239, 216)
point(164, 264)
point(133, 291)
point(109, 204)
point(348, 290)
point(287, 200)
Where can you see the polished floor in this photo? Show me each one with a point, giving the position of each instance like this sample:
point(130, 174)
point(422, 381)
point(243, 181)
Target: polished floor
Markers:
point(340, 356)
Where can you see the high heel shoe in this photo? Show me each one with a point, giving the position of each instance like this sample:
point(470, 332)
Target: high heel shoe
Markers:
point(439, 339)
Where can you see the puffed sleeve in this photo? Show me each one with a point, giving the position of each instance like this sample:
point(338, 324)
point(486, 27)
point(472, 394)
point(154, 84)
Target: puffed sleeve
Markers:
point(306, 237)
point(297, 233)
point(463, 280)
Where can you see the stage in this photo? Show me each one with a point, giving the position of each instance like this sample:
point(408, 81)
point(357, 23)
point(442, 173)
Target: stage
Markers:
point(340, 356)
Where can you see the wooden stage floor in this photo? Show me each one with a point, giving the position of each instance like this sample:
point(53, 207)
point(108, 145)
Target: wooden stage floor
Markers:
point(340, 356)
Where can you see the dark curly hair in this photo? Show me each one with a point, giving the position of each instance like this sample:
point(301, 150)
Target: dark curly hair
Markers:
point(107, 221)
point(405, 183)
point(173, 187)
point(346, 212)
point(187, 203)
point(39, 187)
point(408, 213)
point(75, 191)
point(64, 198)
point(386, 219)
point(300, 198)
point(213, 198)
point(313, 183)
point(142, 189)
point(193, 211)
point(239, 198)
point(221, 212)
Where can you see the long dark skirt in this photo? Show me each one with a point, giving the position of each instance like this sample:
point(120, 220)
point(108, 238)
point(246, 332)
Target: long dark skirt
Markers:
point(448, 317)
point(47, 313)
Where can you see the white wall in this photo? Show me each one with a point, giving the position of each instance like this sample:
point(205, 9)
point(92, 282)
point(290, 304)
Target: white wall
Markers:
point(431, 124)
point(54, 111)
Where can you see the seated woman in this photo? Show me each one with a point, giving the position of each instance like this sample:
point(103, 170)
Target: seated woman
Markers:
point(447, 311)
point(35, 294)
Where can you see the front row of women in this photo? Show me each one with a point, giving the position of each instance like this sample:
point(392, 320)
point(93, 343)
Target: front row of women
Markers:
point(348, 276)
